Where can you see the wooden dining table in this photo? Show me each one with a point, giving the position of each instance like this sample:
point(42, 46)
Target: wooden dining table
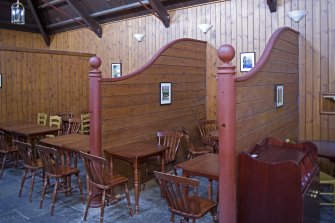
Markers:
point(71, 143)
point(206, 165)
point(29, 131)
point(135, 153)
point(326, 149)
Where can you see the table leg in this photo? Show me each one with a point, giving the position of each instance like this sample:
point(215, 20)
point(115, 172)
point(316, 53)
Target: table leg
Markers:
point(210, 189)
point(136, 185)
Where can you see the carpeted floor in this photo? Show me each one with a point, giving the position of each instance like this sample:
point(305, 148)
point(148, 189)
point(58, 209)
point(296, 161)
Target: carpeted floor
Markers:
point(153, 208)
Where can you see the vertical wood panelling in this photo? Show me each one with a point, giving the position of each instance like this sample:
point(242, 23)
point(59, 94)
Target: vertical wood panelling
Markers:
point(246, 24)
point(42, 82)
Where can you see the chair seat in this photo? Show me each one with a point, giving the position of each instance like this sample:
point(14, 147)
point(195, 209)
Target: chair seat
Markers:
point(10, 149)
point(204, 204)
point(36, 164)
point(113, 180)
point(203, 149)
point(61, 171)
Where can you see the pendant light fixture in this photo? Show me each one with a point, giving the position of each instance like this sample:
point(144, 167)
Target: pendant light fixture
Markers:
point(17, 13)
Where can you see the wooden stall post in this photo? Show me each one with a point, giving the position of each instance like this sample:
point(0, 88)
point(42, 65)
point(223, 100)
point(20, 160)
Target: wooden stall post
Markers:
point(95, 116)
point(226, 122)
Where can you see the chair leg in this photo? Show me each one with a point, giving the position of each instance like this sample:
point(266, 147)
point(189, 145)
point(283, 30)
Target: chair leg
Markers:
point(80, 189)
point(46, 180)
point(172, 217)
point(23, 181)
point(126, 191)
point(54, 198)
point(3, 165)
point(103, 198)
point(32, 184)
point(88, 202)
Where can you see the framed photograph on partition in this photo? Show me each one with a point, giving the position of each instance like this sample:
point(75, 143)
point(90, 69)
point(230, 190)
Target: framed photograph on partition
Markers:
point(279, 95)
point(116, 69)
point(247, 61)
point(165, 93)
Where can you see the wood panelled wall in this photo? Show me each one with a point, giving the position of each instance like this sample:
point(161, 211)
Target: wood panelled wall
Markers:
point(131, 109)
point(256, 114)
point(41, 81)
point(245, 24)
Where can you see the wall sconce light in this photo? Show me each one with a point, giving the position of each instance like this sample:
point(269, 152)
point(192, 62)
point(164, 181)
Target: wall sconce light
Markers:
point(205, 27)
point(17, 13)
point(297, 15)
point(139, 36)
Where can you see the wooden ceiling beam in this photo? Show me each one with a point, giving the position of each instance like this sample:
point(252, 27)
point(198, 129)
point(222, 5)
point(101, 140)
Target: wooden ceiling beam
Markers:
point(160, 12)
point(272, 5)
point(91, 22)
point(38, 22)
point(51, 3)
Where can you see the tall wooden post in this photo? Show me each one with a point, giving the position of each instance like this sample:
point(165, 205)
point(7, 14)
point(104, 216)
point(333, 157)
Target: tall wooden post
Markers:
point(226, 122)
point(95, 115)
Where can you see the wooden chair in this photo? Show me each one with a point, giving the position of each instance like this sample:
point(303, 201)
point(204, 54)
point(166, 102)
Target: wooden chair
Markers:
point(181, 201)
point(55, 169)
point(205, 127)
point(192, 150)
point(42, 119)
point(165, 138)
point(85, 123)
point(328, 180)
point(8, 152)
point(65, 120)
point(31, 164)
point(55, 121)
point(74, 126)
point(101, 177)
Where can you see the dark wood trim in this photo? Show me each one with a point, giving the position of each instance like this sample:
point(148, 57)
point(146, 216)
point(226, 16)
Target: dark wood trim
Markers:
point(91, 22)
point(151, 61)
point(49, 4)
point(68, 53)
point(267, 51)
point(160, 12)
point(38, 22)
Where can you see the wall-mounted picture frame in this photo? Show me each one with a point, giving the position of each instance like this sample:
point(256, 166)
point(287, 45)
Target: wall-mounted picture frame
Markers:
point(0, 80)
point(247, 61)
point(165, 93)
point(116, 69)
point(279, 95)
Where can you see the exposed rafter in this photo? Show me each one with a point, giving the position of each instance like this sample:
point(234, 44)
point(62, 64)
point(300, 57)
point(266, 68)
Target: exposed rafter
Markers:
point(272, 5)
point(160, 12)
point(38, 22)
point(91, 22)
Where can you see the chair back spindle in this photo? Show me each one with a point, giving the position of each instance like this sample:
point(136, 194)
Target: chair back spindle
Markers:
point(74, 126)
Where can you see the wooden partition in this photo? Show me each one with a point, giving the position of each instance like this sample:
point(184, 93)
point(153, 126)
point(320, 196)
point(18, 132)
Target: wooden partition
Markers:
point(256, 114)
point(130, 105)
point(247, 113)
point(41, 81)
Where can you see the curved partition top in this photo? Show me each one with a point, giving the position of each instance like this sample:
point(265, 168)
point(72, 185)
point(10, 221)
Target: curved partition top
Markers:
point(150, 62)
point(265, 55)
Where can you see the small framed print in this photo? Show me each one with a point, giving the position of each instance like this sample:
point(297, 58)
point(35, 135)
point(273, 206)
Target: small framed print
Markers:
point(0, 80)
point(279, 95)
point(247, 61)
point(116, 69)
point(165, 93)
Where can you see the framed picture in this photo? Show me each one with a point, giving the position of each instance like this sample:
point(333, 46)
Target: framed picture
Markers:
point(165, 93)
point(279, 95)
point(116, 69)
point(0, 80)
point(247, 61)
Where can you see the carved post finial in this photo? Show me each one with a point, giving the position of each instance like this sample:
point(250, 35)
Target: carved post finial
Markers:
point(95, 62)
point(226, 53)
